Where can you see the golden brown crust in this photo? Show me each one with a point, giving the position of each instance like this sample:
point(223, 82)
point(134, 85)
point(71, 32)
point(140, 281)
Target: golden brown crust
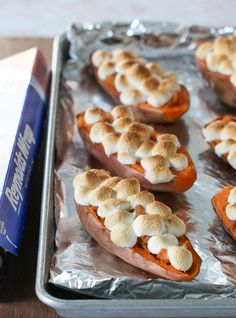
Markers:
point(180, 183)
point(219, 128)
point(170, 111)
point(137, 255)
point(139, 150)
point(121, 212)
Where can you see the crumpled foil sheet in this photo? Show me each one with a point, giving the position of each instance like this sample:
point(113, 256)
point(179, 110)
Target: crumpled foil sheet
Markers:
point(80, 264)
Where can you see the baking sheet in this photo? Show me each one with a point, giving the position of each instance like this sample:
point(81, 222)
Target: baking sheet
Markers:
point(79, 263)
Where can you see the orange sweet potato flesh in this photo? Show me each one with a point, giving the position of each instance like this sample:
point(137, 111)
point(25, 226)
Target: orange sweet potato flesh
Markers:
point(182, 181)
point(222, 85)
point(219, 202)
point(138, 255)
point(213, 144)
point(168, 113)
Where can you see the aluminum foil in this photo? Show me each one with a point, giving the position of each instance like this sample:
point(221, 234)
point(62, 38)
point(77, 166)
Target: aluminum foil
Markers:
point(79, 263)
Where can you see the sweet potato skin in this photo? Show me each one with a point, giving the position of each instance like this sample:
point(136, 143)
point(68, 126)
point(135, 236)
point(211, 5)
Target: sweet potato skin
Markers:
point(219, 202)
point(167, 113)
point(222, 85)
point(136, 256)
point(178, 184)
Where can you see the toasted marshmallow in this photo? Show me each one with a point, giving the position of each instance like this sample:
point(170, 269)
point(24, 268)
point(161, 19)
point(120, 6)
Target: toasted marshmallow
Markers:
point(222, 45)
point(231, 211)
point(166, 149)
point(101, 194)
point(168, 85)
point(94, 114)
point(224, 146)
point(137, 73)
point(123, 66)
point(169, 137)
point(110, 142)
point(111, 206)
point(226, 67)
point(121, 83)
point(170, 75)
point(158, 175)
point(157, 207)
point(129, 142)
point(157, 243)
point(175, 225)
point(91, 178)
point(100, 56)
point(149, 85)
point(214, 60)
point(121, 124)
point(81, 195)
point(110, 182)
point(232, 39)
point(158, 99)
point(142, 198)
point(127, 187)
point(126, 157)
point(147, 224)
point(203, 50)
point(232, 157)
point(213, 131)
point(233, 59)
point(144, 131)
point(153, 162)
point(132, 97)
point(232, 196)
point(229, 131)
point(155, 69)
point(233, 78)
point(123, 235)
point(180, 258)
point(122, 111)
point(122, 217)
point(145, 150)
point(120, 55)
point(179, 162)
point(98, 131)
point(106, 69)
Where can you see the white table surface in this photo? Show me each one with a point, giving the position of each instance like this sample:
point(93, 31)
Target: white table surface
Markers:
point(51, 17)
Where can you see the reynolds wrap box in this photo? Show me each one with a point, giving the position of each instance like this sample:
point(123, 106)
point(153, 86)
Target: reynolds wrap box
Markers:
point(24, 80)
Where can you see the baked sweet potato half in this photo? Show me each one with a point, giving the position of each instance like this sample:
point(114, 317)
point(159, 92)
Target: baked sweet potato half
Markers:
point(220, 134)
point(224, 203)
point(130, 224)
point(155, 96)
point(129, 148)
point(216, 61)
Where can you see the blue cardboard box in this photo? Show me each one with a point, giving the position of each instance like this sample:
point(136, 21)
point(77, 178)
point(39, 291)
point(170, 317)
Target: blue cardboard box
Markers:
point(24, 82)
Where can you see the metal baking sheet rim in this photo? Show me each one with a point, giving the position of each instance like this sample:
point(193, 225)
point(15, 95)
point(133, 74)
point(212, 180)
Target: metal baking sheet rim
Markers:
point(99, 307)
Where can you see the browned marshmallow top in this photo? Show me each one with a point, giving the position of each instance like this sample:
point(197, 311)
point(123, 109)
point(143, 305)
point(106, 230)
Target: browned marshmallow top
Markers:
point(225, 135)
point(115, 201)
point(131, 141)
point(220, 56)
point(136, 80)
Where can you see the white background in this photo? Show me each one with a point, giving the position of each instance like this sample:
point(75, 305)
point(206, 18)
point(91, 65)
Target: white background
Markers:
point(51, 17)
